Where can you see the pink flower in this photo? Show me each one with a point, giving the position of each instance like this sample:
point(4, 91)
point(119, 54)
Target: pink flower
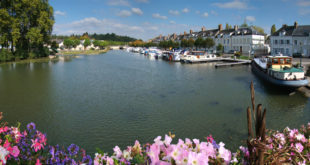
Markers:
point(38, 162)
point(110, 161)
point(158, 141)
point(299, 147)
point(4, 129)
point(7, 144)
point(224, 153)
point(14, 151)
point(208, 149)
point(168, 140)
point(36, 145)
point(154, 153)
point(42, 138)
point(210, 138)
point(117, 152)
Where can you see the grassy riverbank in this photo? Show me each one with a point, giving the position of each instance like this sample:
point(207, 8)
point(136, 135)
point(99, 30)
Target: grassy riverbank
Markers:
point(83, 52)
point(43, 59)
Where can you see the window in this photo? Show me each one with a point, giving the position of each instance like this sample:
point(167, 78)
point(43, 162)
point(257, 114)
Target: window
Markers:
point(227, 41)
point(288, 61)
point(287, 51)
point(287, 41)
point(282, 61)
point(275, 61)
point(295, 42)
point(276, 42)
point(282, 42)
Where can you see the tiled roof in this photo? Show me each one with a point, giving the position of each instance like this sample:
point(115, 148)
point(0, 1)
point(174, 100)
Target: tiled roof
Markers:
point(301, 30)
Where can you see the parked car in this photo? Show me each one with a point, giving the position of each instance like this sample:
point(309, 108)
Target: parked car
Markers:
point(297, 55)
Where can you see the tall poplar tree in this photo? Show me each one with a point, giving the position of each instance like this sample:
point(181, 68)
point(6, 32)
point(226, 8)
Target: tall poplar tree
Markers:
point(26, 27)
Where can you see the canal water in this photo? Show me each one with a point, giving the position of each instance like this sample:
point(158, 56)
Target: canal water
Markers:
point(118, 97)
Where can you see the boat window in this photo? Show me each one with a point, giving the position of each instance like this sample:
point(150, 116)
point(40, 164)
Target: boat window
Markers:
point(275, 61)
point(288, 61)
point(281, 61)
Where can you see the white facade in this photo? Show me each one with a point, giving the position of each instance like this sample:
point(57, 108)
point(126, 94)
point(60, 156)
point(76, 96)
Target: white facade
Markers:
point(301, 45)
point(281, 44)
point(248, 43)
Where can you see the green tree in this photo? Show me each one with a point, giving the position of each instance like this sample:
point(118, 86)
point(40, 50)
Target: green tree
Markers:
point(86, 43)
point(208, 43)
point(227, 26)
point(75, 43)
point(184, 43)
point(259, 29)
point(245, 24)
point(199, 42)
point(191, 43)
point(68, 43)
point(54, 47)
point(273, 29)
point(220, 48)
point(26, 27)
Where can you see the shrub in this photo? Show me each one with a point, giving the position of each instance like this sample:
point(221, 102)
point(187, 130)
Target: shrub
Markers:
point(6, 56)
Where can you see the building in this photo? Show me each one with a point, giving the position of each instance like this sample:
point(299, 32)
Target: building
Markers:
point(290, 40)
point(245, 39)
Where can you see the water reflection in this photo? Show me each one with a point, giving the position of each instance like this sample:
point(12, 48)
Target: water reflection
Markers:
point(115, 98)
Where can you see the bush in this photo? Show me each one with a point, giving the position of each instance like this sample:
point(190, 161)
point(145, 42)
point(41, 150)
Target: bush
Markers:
point(6, 56)
point(238, 54)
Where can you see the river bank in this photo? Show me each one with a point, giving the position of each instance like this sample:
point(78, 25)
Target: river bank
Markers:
point(83, 52)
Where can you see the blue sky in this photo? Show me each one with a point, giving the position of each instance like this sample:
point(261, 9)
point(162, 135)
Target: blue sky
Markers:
point(146, 19)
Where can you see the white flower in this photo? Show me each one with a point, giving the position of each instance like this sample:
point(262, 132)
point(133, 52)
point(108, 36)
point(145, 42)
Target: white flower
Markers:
point(3, 154)
point(126, 155)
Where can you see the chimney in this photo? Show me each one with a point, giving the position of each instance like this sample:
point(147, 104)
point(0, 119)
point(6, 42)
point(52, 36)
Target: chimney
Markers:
point(184, 32)
point(220, 27)
point(203, 29)
point(295, 25)
point(191, 31)
point(236, 27)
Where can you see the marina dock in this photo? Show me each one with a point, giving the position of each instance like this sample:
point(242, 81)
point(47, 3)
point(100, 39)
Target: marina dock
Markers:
point(232, 62)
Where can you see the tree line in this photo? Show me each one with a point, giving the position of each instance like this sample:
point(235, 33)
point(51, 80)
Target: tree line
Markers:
point(73, 42)
point(106, 37)
point(25, 29)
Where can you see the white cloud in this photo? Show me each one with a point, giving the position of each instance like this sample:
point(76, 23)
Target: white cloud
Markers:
point(156, 15)
point(304, 11)
point(94, 25)
point(60, 13)
point(118, 3)
point(172, 22)
point(137, 11)
point(250, 18)
point(124, 13)
point(235, 4)
point(174, 12)
point(303, 3)
point(214, 12)
point(142, 1)
point(205, 14)
point(185, 10)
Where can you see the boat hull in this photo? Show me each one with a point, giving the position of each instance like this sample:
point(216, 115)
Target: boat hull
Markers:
point(283, 83)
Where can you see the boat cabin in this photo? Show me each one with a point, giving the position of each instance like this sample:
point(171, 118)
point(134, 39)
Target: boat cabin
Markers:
point(279, 62)
point(197, 53)
point(280, 67)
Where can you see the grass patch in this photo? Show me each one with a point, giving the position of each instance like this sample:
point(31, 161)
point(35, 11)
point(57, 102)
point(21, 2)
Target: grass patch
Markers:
point(84, 52)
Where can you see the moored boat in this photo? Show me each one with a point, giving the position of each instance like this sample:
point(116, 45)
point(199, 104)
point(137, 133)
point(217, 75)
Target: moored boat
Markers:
point(279, 70)
point(197, 56)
